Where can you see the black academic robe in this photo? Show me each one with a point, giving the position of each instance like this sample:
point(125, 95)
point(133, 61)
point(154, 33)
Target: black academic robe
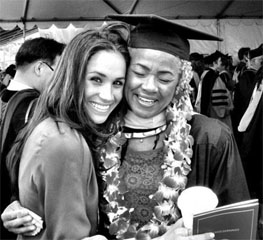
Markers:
point(216, 160)
point(17, 122)
point(242, 95)
point(251, 150)
point(206, 91)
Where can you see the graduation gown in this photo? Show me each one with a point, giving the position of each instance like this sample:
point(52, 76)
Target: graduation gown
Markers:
point(216, 160)
point(207, 86)
point(242, 95)
point(17, 122)
point(251, 148)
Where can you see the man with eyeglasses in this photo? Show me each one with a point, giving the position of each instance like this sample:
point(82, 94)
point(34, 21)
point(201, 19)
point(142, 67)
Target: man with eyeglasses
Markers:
point(35, 63)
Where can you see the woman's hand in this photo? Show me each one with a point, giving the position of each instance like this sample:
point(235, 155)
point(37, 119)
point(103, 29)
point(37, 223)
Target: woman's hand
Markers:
point(185, 234)
point(97, 237)
point(16, 219)
point(179, 232)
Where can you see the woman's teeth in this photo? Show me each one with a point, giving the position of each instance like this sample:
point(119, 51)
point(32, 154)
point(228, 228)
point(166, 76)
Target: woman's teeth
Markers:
point(146, 101)
point(100, 107)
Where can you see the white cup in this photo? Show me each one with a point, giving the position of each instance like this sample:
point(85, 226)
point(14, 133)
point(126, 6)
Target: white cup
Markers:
point(194, 200)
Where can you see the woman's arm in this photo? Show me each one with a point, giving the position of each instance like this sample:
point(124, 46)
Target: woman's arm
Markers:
point(15, 219)
point(65, 183)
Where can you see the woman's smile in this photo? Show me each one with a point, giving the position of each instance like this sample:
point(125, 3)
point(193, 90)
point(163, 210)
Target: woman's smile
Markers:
point(100, 107)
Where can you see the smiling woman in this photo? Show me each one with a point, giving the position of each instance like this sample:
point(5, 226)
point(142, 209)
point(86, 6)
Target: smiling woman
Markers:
point(54, 153)
point(104, 84)
point(151, 86)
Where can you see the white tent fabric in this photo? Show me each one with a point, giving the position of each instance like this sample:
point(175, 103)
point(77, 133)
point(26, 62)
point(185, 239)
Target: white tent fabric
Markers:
point(236, 33)
point(44, 13)
point(63, 35)
point(239, 33)
point(238, 22)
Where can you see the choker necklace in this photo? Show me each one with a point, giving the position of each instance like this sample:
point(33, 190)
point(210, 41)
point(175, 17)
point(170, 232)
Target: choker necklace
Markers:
point(141, 133)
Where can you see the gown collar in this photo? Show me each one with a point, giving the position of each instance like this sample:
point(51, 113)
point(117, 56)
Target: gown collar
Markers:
point(133, 121)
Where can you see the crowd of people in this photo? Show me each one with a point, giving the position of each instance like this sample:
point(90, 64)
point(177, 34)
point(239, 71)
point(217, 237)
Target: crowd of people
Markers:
point(237, 101)
point(100, 137)
point(225, 92)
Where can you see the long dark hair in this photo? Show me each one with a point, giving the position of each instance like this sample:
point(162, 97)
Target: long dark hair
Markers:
point(64, 98)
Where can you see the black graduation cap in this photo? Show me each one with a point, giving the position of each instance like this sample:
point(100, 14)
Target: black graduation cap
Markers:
point(158, 33)
point(213, 57)
point(256, 52)
point(195, 56)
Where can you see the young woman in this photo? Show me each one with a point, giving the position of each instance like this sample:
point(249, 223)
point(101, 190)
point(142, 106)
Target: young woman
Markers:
point(52, 163)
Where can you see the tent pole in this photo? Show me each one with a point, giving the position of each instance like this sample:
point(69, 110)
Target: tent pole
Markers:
point(218, 29)
point(24, 31)
point(26, 4)
point(133, 6)
point(112, 6)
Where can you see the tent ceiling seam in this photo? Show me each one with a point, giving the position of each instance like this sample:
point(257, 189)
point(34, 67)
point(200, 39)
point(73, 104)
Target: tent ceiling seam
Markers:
point(109, 3)
point(221, 13)
point(25, 10)
point(23, 19)
point(134, 4)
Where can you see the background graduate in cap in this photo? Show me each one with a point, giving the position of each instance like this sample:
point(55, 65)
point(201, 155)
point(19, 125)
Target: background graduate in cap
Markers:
point(168, 147)
point(250, 128)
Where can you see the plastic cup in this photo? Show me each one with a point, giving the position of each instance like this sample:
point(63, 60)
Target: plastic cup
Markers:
point(194, 200)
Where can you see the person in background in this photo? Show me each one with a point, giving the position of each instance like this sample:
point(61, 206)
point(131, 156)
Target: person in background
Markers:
point(215, 100)
point(36, 60)
point(163, 147)
point(2, 75)
point(243, 56)
point(228, 87)
point(214, 63)
point(197, 62)
point(226, 74)
point(250, 126)
point(8, 74)
point(244, 89)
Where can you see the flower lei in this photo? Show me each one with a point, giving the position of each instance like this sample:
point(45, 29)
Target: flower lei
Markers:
point(176, 166)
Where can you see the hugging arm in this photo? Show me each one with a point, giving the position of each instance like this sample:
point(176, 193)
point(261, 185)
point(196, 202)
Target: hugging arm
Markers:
point(16, 219)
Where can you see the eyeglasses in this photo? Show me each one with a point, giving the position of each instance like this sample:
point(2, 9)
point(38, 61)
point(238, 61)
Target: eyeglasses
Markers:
point(51, 68)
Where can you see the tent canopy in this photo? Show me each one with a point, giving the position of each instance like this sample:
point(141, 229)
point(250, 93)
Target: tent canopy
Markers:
point(229, 19)
point(44, 13)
